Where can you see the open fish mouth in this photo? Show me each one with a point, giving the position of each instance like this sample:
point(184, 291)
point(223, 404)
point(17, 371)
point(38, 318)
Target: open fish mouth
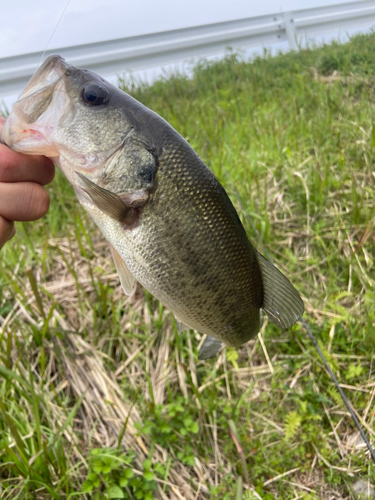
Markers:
point(52, 70)
point(28, 128)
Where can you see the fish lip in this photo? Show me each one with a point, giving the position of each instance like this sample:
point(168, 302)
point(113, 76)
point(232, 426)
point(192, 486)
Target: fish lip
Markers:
point(5, 136)
point(49, 73)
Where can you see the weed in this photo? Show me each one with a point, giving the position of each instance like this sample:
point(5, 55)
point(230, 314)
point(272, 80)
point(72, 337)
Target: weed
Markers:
point(110, 475)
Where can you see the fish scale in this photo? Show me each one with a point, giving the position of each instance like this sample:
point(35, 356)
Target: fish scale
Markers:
point(207, 273)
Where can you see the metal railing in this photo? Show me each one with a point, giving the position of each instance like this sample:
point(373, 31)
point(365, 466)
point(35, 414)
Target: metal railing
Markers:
point(169, 47)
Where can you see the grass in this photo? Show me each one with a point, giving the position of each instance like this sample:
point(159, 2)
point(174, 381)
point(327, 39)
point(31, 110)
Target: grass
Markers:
point(100, 397)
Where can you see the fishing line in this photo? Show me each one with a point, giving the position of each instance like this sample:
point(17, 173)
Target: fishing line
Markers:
point(347, 404)
point(309, 332)
point(53, 32)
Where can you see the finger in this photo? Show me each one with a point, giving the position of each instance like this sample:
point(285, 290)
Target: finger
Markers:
point(23, 201)
point(15, 167)
point(7, 231)
point(2, 121)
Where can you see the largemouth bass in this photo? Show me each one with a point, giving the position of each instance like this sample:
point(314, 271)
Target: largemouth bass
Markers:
point(169, 223)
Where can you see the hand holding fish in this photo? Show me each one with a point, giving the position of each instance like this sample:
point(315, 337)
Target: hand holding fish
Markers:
point(22, 197)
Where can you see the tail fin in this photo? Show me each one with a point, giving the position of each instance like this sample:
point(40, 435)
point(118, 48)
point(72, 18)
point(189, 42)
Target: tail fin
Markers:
point(281, 301)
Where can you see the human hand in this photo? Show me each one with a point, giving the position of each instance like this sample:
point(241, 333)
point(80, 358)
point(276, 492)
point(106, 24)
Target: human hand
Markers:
point(22, 197)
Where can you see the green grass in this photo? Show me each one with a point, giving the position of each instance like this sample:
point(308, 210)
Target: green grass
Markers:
point(100, 397)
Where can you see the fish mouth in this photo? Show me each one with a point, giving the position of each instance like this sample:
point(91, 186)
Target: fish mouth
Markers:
point(52, 70)
point(28, 128)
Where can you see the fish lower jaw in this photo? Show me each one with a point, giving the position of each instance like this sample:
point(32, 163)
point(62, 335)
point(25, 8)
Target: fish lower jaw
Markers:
point(25, 139)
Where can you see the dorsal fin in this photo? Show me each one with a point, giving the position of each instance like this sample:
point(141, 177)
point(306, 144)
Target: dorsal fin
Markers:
point(281, 301)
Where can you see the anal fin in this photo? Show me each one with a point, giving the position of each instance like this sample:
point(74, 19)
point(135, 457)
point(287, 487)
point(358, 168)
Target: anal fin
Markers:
point(127, 280)
point(210, 348)
point(281, 301)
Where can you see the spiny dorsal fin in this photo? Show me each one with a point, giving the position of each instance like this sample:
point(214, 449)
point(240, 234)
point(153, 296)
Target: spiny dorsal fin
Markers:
point(281, 301)
point(210, 347)
point(127, 280)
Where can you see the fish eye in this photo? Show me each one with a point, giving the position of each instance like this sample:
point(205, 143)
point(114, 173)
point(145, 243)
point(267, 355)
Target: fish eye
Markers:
point(94, 94)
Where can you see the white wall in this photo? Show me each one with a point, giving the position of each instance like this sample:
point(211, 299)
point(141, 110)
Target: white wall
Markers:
point(27, 26)
point(32, 26)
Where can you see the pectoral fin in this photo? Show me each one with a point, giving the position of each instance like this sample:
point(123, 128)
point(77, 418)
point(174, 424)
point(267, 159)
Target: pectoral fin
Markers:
point(281, 301)
point(124, 208)
point(126, 278)
point(210, 347)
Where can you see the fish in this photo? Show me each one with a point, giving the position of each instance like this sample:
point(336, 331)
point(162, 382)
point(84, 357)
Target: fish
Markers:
point(169, 223)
